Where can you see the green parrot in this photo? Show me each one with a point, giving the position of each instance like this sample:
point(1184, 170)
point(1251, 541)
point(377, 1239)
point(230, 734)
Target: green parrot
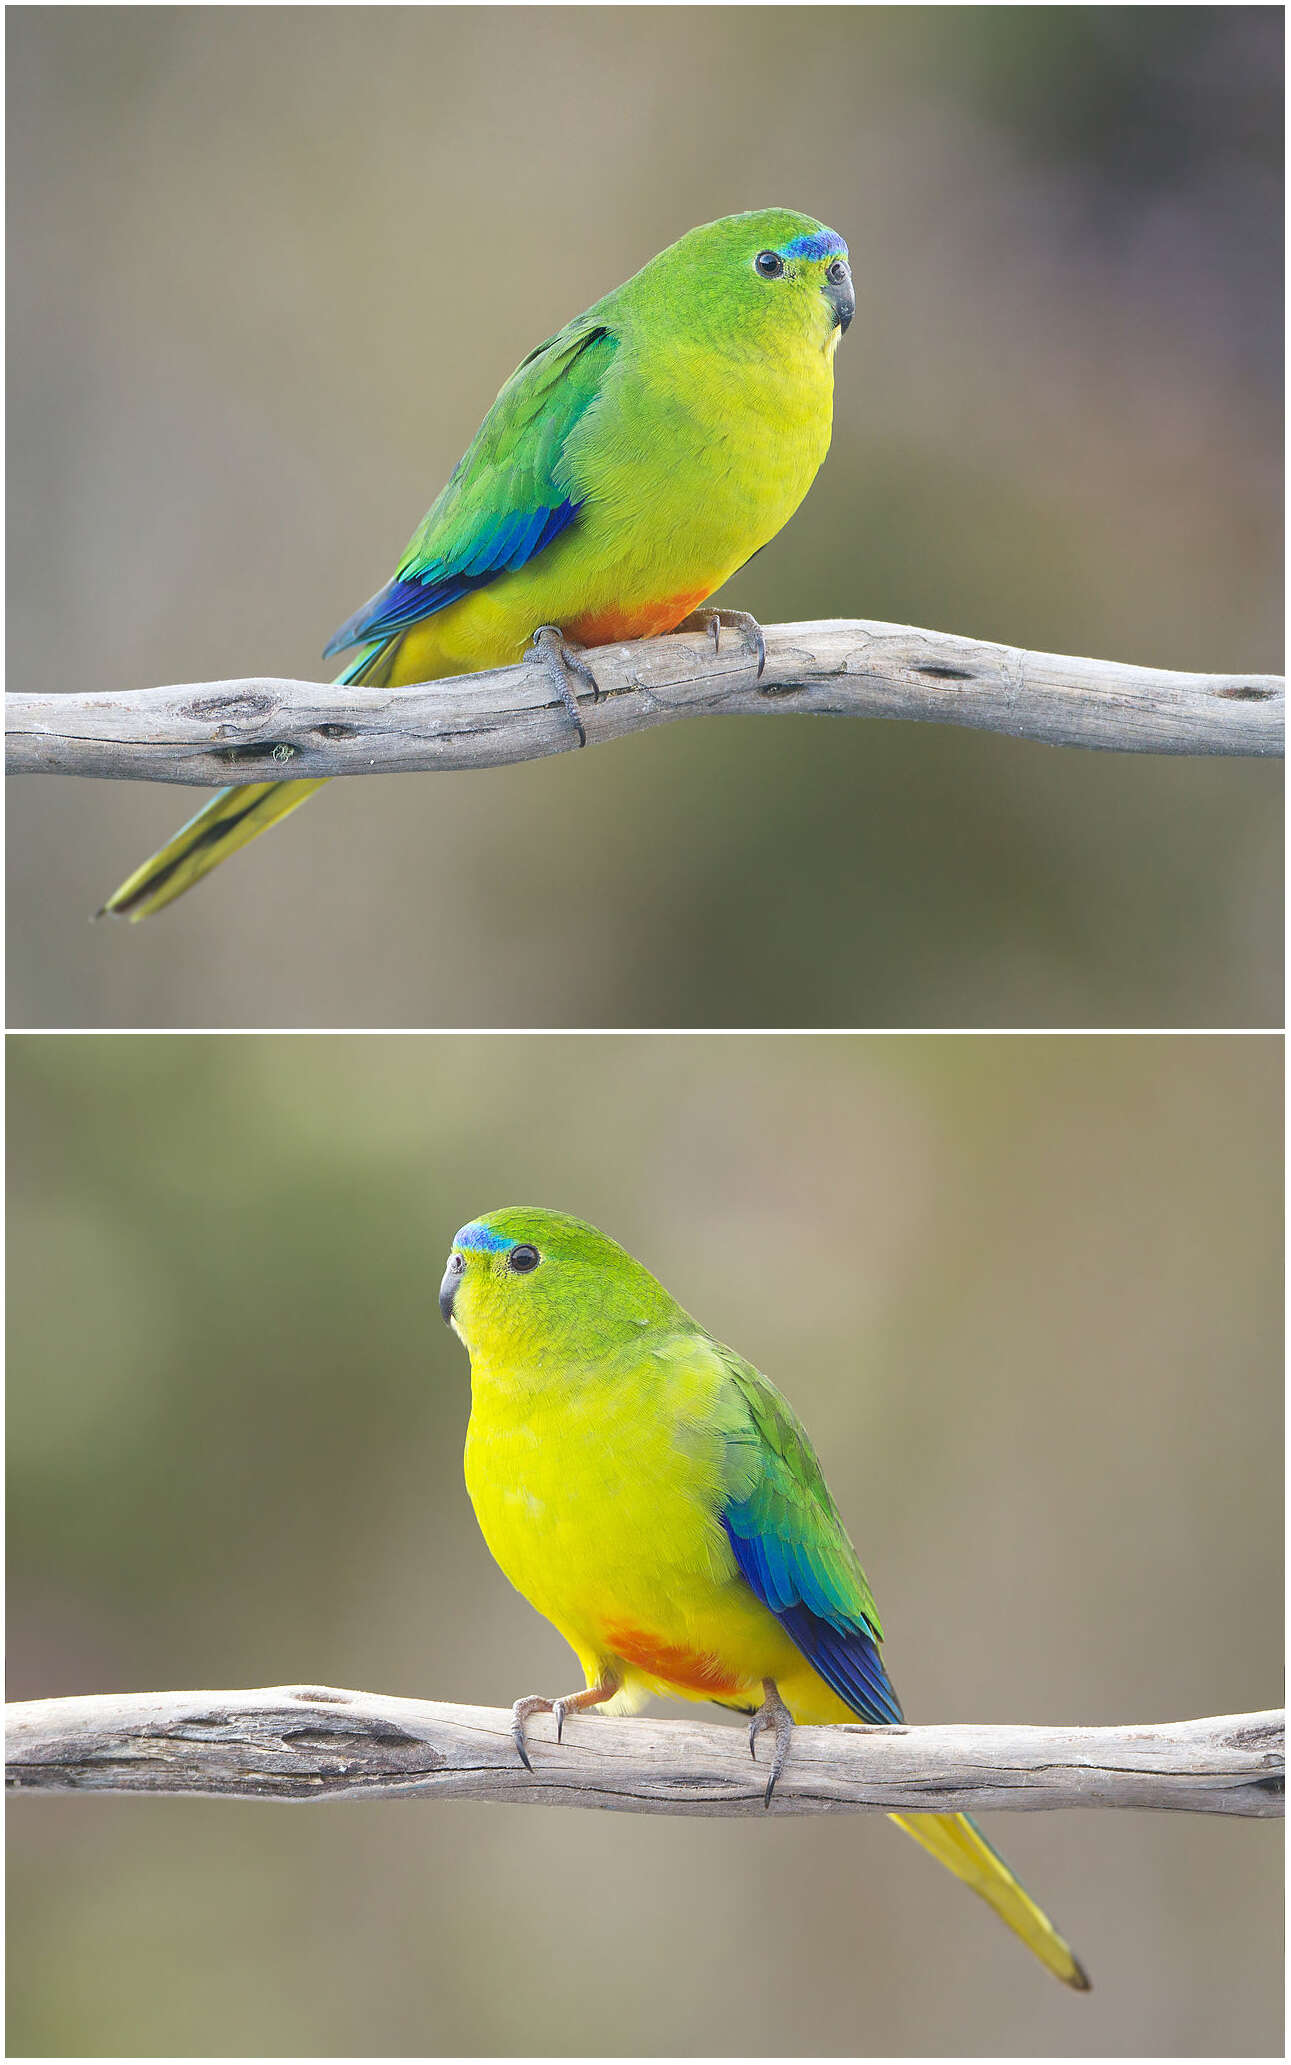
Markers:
point(630, 465)
point(654, 1496)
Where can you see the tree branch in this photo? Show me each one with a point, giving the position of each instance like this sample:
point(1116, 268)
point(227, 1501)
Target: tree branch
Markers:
point(296, 1742)
point(257, 730)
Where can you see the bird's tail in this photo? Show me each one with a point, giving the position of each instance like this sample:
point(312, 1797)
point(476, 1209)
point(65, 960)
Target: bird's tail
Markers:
point(959, 1844)
point(231, 819)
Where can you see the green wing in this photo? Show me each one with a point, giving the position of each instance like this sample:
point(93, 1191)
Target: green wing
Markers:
point(509, 497)
point(792, 1548)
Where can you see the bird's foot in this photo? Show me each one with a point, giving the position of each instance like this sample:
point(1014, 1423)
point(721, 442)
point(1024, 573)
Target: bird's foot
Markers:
point(772, 1715)
point(563, 664)
point(715, 621)
point(520, 1714)
point(572, 1703)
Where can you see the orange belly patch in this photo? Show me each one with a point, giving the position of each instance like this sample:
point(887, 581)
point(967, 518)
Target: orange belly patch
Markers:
point(698, 1673)
point(634, 620)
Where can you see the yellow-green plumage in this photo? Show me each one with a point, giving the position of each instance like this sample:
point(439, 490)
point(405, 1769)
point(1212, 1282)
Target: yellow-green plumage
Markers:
point(630, 466)
point(599, 1506)
point(655, 1498)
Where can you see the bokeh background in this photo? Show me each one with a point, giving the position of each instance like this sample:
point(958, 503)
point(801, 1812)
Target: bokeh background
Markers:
point(269, 266)
point(1024, 1293)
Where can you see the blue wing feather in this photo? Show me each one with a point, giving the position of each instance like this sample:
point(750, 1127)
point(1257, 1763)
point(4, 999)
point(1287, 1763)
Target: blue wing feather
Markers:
point(402, 602)
point(509, 497)
point(844, 1652)
point(791, 1547)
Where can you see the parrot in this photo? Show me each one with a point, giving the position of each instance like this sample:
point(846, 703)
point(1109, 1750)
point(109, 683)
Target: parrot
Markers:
point(657, 1500)
point(631, 464)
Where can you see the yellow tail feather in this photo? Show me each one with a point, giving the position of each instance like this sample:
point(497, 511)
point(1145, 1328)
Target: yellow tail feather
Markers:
point(956, 1842)
point(231, 819)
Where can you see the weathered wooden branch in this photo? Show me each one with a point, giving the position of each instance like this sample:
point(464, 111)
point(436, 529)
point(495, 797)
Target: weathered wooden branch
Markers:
point(257, 730)
point(295, 1742)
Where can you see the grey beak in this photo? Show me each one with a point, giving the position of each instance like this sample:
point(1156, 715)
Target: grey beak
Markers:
point(448, 1287)
point(841, 296)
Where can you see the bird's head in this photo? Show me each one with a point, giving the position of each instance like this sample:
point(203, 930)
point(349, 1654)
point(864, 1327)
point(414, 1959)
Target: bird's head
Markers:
point(528, 1285)
point(769, 277)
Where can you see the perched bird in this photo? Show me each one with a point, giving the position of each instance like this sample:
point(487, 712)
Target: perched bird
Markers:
point(630, 465)
point(655, 1497)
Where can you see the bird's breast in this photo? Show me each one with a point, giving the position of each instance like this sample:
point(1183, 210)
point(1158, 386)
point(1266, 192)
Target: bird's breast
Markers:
point(696, 461)
point(594, 1508)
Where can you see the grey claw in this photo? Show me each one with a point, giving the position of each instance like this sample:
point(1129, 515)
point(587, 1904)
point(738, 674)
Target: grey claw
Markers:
point(716, 620)
point(560, 660)
point(774, 1716)
point(578, 665)
point(520, 1712)
point(749, 625)
point(559, 1711)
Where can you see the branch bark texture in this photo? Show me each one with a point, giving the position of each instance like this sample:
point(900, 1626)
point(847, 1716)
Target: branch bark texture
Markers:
point(219, 732)
point(294, 1742)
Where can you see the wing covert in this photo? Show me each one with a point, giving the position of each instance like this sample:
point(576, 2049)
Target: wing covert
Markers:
point(791, 1547)
point(505, 502)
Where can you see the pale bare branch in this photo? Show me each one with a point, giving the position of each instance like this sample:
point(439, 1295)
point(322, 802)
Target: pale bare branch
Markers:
point(218, 732)
point(313, 1743)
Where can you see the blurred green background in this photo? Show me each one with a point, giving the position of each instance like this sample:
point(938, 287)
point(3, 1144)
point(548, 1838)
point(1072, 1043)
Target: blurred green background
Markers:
point(1025, 1294)
point(268, 268)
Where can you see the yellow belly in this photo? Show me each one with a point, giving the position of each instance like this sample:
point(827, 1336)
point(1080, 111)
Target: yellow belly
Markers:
point(651, 542)
point(604, 1518)
point(494, 626)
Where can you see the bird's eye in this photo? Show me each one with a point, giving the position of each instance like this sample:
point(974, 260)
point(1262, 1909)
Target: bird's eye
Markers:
point(770, 264)
point(456, 1264)
point(523, 1259)
point(837, 271)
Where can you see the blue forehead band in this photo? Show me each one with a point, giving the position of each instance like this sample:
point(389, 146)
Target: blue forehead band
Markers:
point(483, 1238)
point(821, 245)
